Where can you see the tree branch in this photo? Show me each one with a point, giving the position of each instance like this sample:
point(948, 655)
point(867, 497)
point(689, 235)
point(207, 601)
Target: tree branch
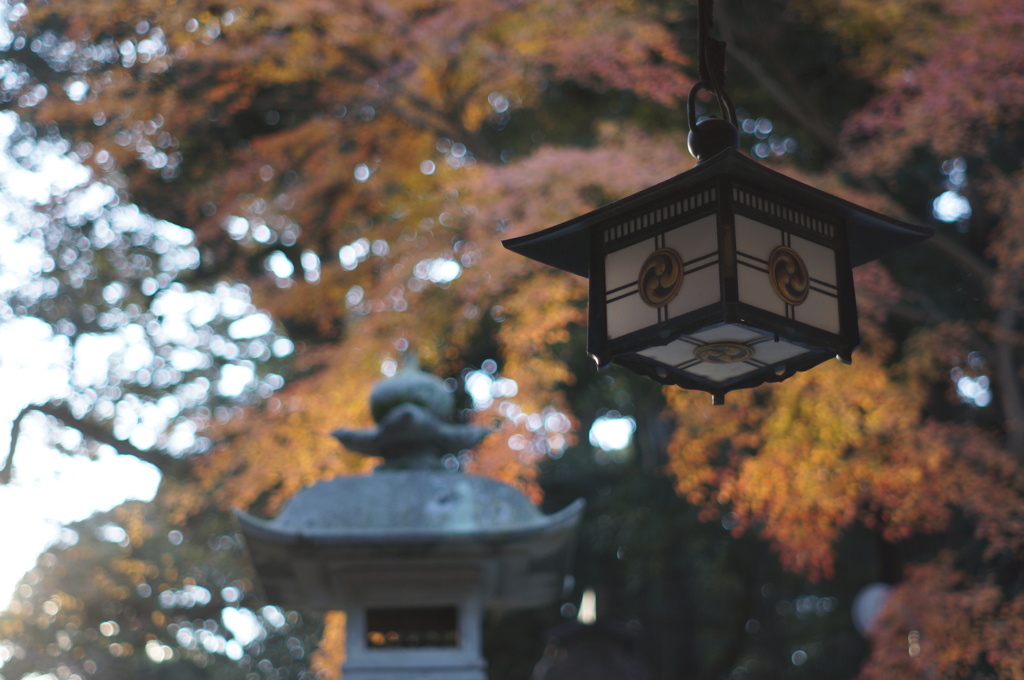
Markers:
point(964, 258)
point(5, 473)
point(159, 459)
point(783, 97)
point(1009, 386)
point(1001, 352)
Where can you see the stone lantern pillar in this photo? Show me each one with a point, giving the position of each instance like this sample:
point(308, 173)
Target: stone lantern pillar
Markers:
point(412, 553)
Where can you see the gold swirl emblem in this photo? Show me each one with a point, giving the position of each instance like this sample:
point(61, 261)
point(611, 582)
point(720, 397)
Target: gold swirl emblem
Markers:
point(723, 353)
point(788, 274)
point(660, 278)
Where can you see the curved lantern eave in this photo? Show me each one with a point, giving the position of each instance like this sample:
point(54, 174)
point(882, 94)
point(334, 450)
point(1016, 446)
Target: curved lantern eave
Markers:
point(567, 246)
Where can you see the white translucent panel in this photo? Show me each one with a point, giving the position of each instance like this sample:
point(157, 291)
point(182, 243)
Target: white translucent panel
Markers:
point(771, 352)
point(721, 373)
point(626, 312)
point(819, 310)
point(629, 314)
point(766, 352)
point(673, 354)
point(696, 239)
point(756, 239)
point(697, 245)
point(820, 261)
point(756, 289)
point(622, 267)
point(727, 333)
point(699, 289)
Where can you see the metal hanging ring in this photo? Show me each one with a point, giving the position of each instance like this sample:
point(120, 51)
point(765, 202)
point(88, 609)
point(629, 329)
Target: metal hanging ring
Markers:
point(724, 103)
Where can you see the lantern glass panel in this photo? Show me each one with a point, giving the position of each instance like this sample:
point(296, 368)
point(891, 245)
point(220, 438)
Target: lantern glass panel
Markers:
point(626, 312)
point(696, 245)
point(724, 353)
point(785, 274)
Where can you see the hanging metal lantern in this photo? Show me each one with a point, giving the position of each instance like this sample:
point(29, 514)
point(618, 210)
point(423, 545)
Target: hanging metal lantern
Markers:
point(727, 276)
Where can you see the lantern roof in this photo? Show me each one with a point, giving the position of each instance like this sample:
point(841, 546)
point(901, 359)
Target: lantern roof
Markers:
point(412, 517)
point(872, 235)
point(407, 522)
point(406, 507)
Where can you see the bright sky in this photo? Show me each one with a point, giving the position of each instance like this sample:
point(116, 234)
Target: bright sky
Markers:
point(49, 489)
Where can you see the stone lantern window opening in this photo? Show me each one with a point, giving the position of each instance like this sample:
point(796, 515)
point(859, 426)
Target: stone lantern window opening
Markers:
point(412, 627)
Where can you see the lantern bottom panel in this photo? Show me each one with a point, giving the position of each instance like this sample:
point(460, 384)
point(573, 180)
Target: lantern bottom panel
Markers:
point(724, 354)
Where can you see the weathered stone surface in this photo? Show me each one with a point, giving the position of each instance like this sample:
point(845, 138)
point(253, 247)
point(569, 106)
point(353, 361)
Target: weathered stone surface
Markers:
point(404, 502)
point(408, 524)
point(412, 386)
point(412, 437)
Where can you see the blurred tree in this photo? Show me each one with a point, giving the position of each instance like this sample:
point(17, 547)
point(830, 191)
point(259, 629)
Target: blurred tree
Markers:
point(282, 199)
point(123, 595)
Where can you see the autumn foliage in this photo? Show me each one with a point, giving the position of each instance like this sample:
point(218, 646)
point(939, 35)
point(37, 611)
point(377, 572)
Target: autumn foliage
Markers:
point(355, 165)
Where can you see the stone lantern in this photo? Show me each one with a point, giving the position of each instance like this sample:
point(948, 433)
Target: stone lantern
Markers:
point(413, 553)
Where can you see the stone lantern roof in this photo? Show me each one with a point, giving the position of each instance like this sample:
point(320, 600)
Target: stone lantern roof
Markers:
point(412, 552)
point(397, 517)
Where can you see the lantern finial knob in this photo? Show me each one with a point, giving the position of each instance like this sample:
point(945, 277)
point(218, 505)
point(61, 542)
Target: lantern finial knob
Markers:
point(415, 426)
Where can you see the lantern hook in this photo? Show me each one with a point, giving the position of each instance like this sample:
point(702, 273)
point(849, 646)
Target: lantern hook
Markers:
point(712, 135)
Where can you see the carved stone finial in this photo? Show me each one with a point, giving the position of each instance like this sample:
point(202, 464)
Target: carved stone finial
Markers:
point(414, 413)
point(412, 386)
